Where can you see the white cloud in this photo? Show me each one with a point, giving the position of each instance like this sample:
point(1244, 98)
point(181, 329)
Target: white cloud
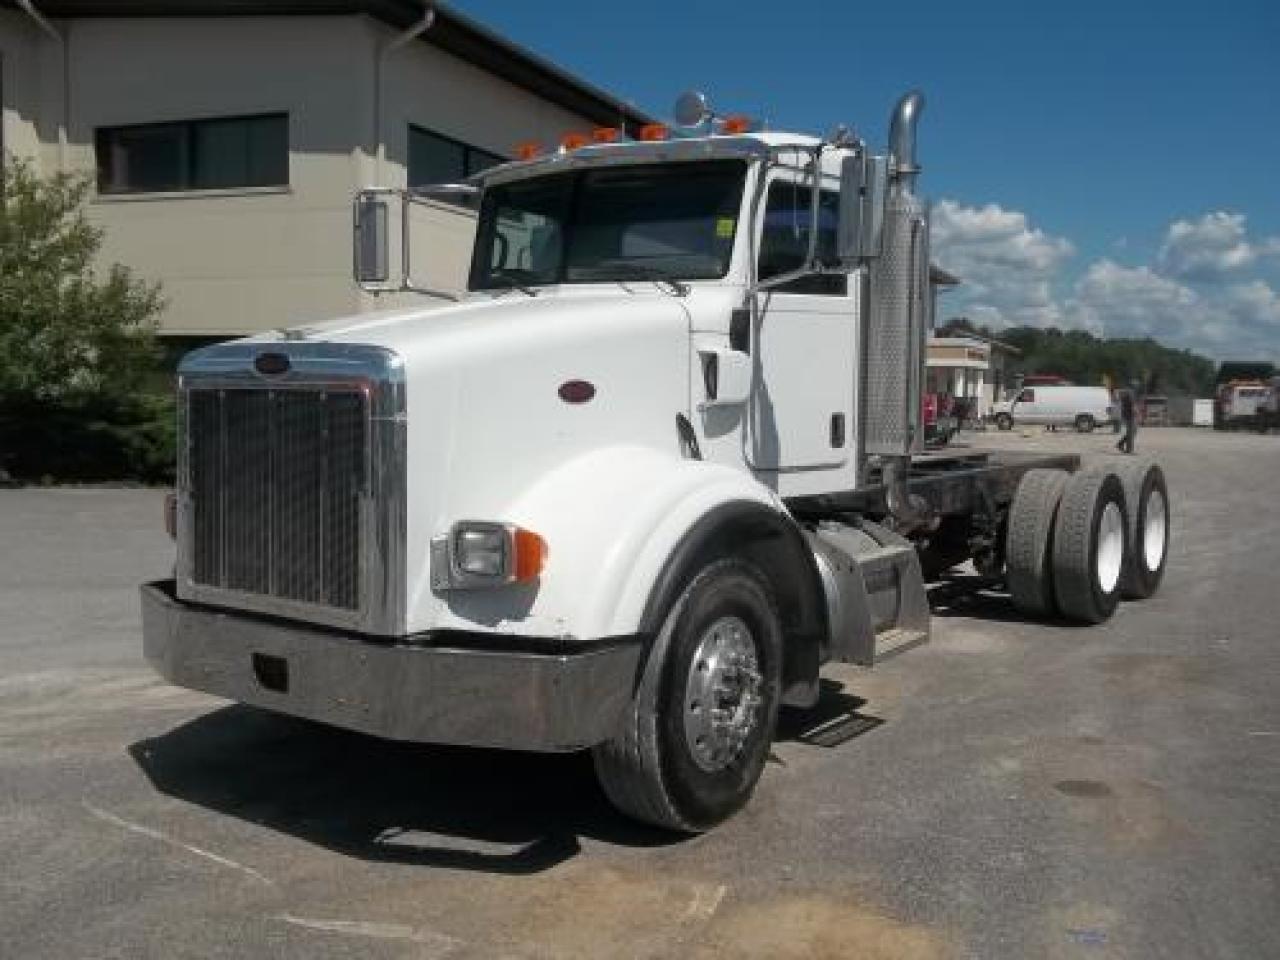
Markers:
point(1130, 301)
point(1008, 266)
point(1216, 245)
point(1197, 294)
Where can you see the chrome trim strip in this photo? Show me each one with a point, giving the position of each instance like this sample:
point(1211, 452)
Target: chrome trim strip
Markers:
point(316, 366)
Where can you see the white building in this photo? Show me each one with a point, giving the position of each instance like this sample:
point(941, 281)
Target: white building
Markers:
point(226, 139)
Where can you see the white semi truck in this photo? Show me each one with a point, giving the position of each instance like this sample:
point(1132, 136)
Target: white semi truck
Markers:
point(657, 466)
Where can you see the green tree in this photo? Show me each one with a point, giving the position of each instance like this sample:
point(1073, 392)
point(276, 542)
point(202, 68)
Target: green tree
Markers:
point(67, 331)
point(77, 344)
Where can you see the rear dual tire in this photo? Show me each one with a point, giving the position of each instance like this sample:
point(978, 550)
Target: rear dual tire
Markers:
point(1066, 544)
point(1029, 540)
point(1090, 543)
point(1146, 497)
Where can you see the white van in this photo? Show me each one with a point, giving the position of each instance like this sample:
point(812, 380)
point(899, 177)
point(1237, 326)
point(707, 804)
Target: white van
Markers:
point(1081, 407)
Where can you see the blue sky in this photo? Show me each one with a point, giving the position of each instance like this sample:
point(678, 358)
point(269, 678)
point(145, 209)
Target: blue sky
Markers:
point(1105, 165)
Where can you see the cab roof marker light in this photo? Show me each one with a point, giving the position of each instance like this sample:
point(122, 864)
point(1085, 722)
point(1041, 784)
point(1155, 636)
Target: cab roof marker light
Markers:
point(573, 140)
point(606, 135)
point(737, 123)
point(651, 132)
point(528, 150)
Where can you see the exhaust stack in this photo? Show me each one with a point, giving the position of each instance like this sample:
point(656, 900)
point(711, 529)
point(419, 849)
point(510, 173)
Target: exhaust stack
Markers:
point(902, 139)
point(894, 358)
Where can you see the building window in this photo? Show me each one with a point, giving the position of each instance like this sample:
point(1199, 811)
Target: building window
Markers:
point(434, 158)
point(221, 154)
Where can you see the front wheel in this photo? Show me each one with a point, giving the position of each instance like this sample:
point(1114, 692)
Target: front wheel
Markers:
point(1004, 421)
point(693, 742)
point(1085, 423)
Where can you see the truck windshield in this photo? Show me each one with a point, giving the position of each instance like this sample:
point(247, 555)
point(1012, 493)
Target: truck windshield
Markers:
point(646, 222)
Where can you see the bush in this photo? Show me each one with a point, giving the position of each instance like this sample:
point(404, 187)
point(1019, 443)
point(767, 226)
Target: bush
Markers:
point(90, 438)
point(76, 345)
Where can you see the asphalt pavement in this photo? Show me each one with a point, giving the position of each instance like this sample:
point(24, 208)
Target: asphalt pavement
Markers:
point(1013, 789)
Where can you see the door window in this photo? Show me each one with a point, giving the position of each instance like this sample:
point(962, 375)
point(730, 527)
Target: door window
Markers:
point(785, 239)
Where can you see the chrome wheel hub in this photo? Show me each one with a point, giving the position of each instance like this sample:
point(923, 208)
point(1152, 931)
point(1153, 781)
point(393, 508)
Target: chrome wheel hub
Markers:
point(722, 696)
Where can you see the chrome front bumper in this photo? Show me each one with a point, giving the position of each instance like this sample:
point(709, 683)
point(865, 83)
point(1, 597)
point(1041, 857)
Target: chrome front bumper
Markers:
point(545, 701)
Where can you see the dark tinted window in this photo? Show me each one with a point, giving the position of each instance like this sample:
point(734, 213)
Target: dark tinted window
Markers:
point(785, 241)
point(642, 223)
point(194, 155)
point(435, 158)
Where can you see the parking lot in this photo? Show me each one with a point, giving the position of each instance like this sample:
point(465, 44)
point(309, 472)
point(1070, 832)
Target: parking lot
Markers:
point(1012, 789)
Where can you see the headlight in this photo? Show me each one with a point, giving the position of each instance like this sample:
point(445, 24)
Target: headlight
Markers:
point(477, 554)
point(482, 550)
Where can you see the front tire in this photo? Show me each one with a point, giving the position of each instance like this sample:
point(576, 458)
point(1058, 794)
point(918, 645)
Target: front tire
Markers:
point(1004, 421)
point(693, 743)
point(1085, 423)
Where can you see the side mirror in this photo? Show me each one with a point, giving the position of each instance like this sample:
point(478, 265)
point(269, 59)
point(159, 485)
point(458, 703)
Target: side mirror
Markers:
point(372, 243)
point(864, 182)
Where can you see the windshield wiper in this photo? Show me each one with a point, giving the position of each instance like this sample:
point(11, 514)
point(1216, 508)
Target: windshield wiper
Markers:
point(508, 282)
point(642, 272)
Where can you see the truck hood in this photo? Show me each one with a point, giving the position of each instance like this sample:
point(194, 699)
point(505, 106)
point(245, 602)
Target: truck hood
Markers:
point(485, 421)
point(487, 326)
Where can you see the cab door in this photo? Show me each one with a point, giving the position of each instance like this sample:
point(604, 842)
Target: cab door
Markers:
point(801, 412)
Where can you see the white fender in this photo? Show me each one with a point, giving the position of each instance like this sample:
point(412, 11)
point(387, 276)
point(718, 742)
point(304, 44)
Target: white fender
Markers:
point(610, 518)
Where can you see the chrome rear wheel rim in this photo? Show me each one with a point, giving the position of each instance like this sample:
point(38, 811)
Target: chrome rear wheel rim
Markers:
point(722, 695)
point(1154, 531)
point(1110, 554)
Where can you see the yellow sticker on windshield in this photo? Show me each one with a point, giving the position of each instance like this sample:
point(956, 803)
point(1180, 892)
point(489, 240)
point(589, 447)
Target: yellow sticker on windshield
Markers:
point(724, 227)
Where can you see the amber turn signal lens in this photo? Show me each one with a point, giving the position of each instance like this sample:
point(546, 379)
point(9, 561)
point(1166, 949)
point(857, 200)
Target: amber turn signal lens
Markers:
point(531, 555)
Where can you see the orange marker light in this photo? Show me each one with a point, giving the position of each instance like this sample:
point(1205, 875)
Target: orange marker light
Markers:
point(531, 555)
point(654, 131)
point(572, 141)
point(528, 150)
point(606, 134)
point(736, 123)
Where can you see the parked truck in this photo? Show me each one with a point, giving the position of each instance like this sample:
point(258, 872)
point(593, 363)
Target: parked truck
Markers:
point(660, 463)
point(1248, 405)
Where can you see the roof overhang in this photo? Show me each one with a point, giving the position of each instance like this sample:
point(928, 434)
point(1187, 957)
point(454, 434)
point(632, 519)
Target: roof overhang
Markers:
point(452, 32)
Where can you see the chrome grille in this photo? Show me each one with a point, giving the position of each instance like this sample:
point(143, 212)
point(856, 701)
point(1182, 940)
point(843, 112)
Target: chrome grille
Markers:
point(275, 483)
point(291, 484)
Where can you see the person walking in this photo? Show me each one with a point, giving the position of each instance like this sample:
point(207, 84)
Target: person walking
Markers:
point(1129, 417)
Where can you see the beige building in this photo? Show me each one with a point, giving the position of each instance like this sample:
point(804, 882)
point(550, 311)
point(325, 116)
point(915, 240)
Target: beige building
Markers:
point(968, 367)
point(226, 139)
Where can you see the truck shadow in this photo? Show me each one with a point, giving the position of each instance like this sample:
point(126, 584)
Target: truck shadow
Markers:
point(980, 598)
point(381, 800)
point(446, 807)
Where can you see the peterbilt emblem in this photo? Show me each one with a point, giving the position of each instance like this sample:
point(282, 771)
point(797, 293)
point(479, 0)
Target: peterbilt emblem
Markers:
point(271, 364)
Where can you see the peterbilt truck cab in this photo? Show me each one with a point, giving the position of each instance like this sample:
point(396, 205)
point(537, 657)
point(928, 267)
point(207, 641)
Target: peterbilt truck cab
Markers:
point(629, 492)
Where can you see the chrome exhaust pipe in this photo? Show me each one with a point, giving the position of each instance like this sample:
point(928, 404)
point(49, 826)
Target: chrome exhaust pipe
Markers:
point(902, 139)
